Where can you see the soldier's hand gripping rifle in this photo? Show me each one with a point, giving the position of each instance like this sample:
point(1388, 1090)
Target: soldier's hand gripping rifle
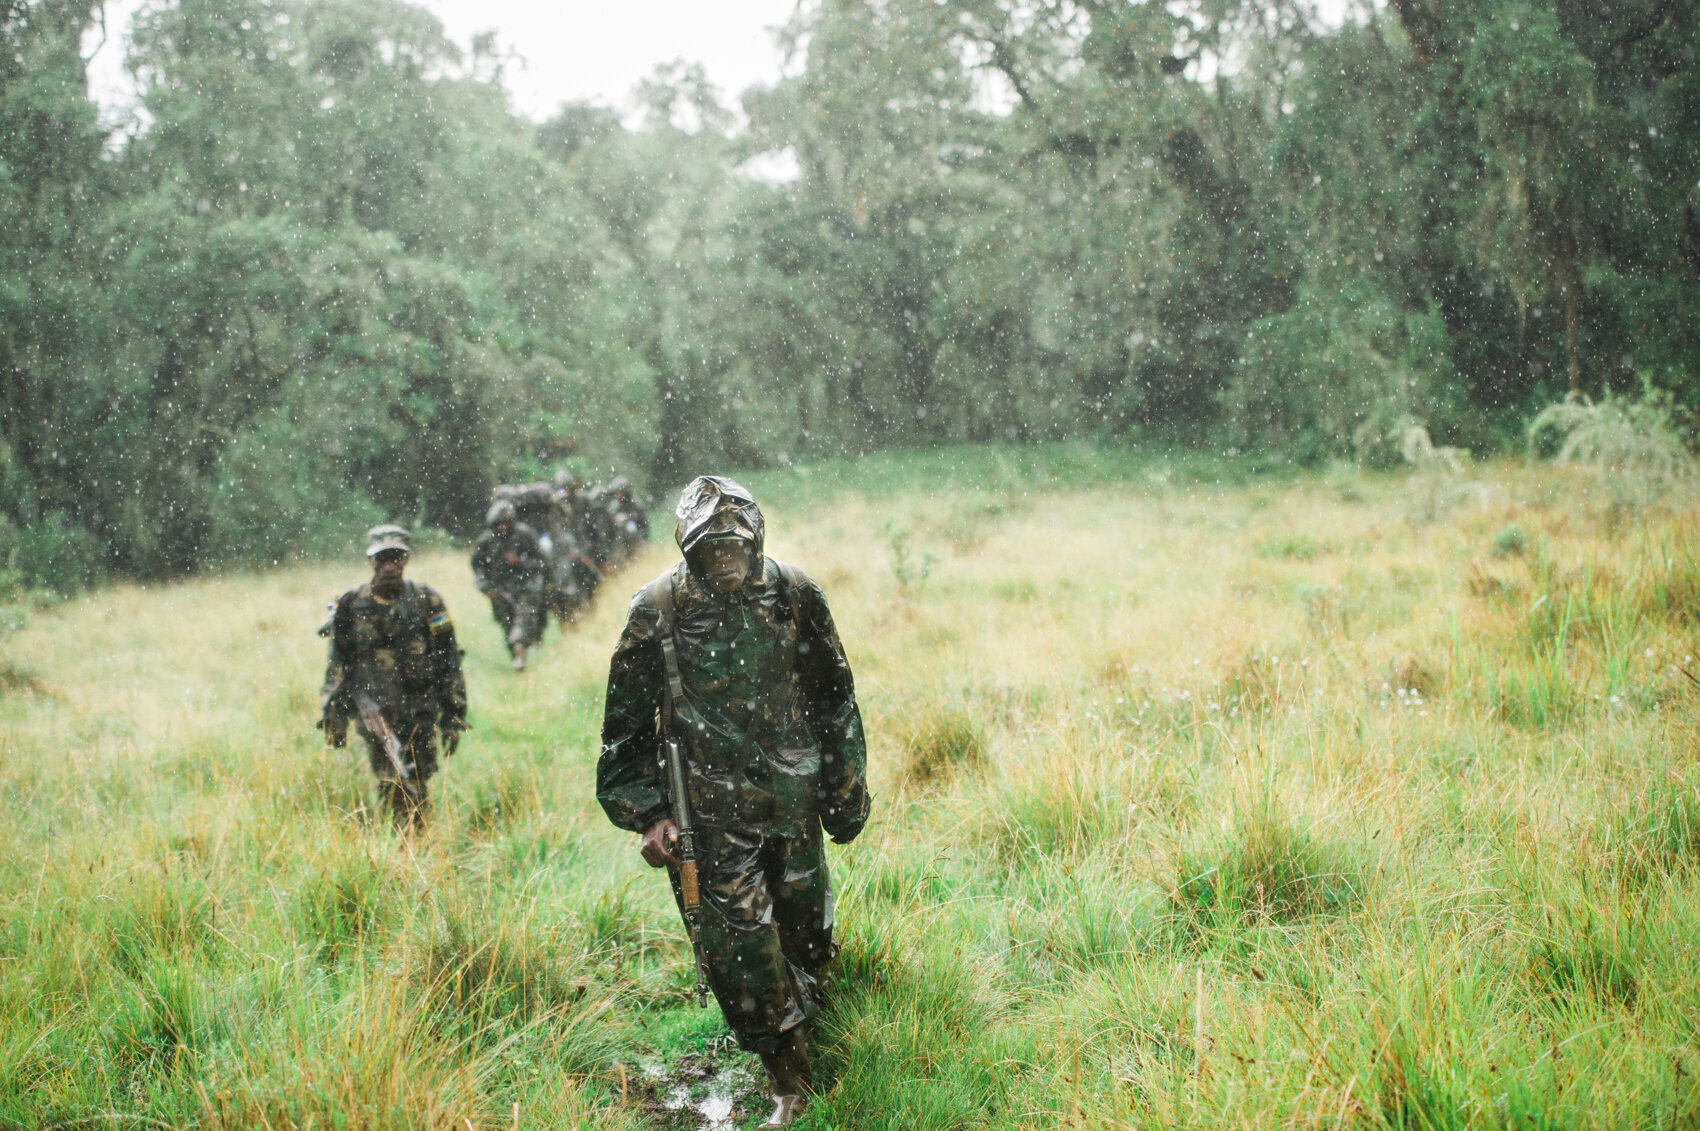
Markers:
point(673, 752)
point(379, 728)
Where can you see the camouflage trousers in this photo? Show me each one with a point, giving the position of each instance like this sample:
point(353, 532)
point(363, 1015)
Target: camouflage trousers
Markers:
point(522, 616)
point(407, 798)
point(767, 911)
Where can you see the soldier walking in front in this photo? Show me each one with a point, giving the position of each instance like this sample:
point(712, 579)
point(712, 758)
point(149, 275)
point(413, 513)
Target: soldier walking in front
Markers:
point(394, 668)
point(735, 658)
point(509, 567)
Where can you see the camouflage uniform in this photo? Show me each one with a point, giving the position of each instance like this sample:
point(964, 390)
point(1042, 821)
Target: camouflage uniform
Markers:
point(628, 518)
point(537, 506)
point(776, 754)
point(402, 654)
point(513, 564)
point(595, 528)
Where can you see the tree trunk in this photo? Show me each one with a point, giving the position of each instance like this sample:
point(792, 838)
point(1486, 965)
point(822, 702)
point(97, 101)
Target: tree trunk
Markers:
point(1572, 287)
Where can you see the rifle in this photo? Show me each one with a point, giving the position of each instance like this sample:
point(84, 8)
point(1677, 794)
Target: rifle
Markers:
point(689, 894)
point(673, 752)
point(379, 728)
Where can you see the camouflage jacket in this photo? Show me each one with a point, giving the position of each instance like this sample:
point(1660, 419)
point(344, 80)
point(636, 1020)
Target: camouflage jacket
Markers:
point(769, 715)
point(403, 652)
point(492, 569)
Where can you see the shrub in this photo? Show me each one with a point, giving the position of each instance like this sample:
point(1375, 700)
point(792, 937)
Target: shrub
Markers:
point(1632, 446)
point(1510, 542)
point(56, 554)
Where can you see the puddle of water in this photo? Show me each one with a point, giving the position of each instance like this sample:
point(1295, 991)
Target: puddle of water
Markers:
point(701, 1088)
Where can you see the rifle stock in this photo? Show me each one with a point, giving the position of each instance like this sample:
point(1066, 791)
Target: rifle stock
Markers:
point(690, 894)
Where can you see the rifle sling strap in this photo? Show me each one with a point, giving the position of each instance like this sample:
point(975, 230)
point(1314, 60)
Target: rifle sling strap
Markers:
point(661, 592)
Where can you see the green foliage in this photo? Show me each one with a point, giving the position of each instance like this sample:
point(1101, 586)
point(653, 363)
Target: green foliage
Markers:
point(333, 280)
point(909, 574)
point(1343, 373)
point(1632, 445)
point(1510, 542)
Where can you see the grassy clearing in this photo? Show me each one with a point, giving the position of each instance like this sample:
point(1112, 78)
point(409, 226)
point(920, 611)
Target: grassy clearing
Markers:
point(1201, 800)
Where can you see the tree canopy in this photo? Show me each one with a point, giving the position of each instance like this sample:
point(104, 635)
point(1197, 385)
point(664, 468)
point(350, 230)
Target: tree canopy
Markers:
point(331, 278)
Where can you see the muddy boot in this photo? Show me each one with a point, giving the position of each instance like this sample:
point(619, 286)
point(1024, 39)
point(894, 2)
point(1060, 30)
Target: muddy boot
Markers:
point(519, 656)
point(788, 1075)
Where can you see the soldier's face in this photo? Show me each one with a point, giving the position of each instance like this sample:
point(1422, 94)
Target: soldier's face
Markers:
point(387, 568)
point(725, 562)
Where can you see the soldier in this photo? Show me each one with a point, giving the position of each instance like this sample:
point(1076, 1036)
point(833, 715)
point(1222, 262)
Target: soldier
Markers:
point(595, 527)
point(509, 567)
point(576, 575)
point(630, 520)
point(762, 696)
point(395, 669)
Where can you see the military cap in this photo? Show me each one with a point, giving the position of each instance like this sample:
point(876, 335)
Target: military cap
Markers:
point(387, 537)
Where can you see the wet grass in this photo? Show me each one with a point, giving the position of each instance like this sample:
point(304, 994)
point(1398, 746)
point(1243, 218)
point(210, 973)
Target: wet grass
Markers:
point(1203, 799)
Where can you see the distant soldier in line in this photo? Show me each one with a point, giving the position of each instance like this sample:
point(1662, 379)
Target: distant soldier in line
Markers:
point(630, 519)
point(595, 527)
point(576, 573)
point(509, 567)
point(731, 663)
point(394, 668)
point(536, 506)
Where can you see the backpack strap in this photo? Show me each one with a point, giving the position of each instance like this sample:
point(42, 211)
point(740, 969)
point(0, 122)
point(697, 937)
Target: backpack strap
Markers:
point(660, 594)
point(795, 579)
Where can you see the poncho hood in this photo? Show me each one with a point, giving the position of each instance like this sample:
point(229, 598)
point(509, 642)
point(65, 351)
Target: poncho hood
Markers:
point(713, 506)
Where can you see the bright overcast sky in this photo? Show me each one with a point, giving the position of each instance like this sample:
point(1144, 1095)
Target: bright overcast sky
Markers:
point(594, 50)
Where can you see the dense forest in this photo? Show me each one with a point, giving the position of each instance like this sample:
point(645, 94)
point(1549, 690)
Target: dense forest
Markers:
point(327, 276)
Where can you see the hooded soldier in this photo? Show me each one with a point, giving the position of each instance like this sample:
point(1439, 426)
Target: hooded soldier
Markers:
point(394, 669)
point(510, 567)
point(766, 708)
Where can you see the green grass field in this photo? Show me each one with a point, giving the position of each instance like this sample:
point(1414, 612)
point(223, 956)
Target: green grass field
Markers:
point(1203, 799)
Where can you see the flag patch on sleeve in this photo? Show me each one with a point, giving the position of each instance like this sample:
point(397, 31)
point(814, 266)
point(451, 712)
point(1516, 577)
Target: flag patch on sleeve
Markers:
point(440, 622)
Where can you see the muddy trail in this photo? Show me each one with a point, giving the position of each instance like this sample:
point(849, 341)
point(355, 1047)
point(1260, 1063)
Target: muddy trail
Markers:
point(717, 1089)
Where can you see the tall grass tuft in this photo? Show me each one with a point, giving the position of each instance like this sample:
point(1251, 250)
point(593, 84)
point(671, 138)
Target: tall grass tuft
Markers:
point(343, 906)
point(1585, 965)
point(165, 1022)
point(1657, 836)
point(1062, 805)
point(498, 799)
point(488, 969)
point(1414, 1091)
point(1265, 869)
point(159, 913)
point(938, 741)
